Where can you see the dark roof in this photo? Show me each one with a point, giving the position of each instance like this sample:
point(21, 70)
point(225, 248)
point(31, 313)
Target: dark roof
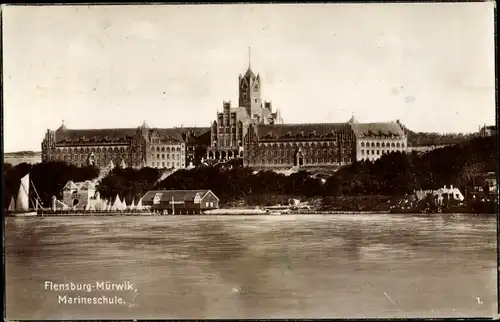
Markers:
point(123, 135)
point(84, 135)
point(177, 195)
point(249, 73)
point(295, 130)
point(377, 130)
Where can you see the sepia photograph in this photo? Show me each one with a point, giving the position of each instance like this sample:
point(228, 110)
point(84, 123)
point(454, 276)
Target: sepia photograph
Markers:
point(249, 161)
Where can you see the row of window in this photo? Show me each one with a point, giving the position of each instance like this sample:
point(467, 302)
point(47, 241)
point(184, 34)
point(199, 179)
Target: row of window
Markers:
point(288, 153)
point(165, 164)
point(383, 145)
point(162, 156)
point(312, 145)
point(88, 150)
point(167, 149)
point(377, 152)
point(292, 161)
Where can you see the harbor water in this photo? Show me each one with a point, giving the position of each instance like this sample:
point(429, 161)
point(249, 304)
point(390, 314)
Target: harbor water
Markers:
point(297, 266)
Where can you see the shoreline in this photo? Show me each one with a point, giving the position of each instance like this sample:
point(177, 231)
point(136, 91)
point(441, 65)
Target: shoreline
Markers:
point(245, 213)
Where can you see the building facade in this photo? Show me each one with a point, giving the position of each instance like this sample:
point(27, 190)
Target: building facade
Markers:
point(320, 145)
point(231, 125)
point(125, 147)
point(80, 195)
point(180, 201)
point(251, 132)
point(488, 130)
point(299, 145)
point(373, 140)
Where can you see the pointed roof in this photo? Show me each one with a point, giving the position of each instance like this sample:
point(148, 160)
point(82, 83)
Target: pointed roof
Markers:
point(62, 128)
point(249, 73)
point(145, 125)
point(87, 185)
point(70, 185)
point(352, 120)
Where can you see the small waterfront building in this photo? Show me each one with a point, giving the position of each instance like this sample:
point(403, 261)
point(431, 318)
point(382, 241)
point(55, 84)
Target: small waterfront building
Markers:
point(180, 201)
point(442, 195)
point(81, 195)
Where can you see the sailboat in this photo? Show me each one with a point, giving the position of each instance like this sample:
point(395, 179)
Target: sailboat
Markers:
point(21, 207)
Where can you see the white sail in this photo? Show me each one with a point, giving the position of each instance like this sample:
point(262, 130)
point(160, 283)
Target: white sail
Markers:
point(117, 205)
point(132, 206)
point(139, 204)
point(23, 195)
point(101, 205)
point(123, 165)
point(12, 205)
point(124, 205)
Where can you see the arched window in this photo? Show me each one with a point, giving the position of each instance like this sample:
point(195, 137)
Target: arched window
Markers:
point(162, 149)
point(362, 144)
point(397, 145)
point(373, 144)
point(393, 145)
point(378, 144)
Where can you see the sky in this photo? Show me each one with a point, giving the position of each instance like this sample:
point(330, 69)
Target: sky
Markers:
point(429, 65)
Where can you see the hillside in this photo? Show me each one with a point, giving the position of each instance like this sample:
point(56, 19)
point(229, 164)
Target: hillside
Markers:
point(15, 158)
point(393, 175)
point(416, 139)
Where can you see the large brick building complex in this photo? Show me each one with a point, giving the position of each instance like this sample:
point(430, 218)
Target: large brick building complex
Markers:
point(231, 125)
point(126, 147)
point(251, 131)
point(299, 145)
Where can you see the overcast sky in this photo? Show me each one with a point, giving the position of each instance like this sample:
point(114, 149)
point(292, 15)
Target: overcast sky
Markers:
point(429, 65)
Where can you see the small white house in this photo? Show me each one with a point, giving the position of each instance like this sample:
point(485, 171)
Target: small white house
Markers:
point(80, 195)
point(442, 194)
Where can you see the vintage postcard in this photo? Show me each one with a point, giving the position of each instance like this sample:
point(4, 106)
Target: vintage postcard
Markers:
point(249, 161)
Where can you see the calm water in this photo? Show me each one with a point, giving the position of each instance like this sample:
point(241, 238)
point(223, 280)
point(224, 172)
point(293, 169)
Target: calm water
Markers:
point(254, 266)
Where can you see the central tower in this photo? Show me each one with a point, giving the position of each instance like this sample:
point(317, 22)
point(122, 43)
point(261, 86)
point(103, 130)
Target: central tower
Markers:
point(249, 91)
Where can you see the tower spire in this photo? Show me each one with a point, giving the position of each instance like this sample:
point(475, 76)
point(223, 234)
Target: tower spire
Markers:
point(249, 56)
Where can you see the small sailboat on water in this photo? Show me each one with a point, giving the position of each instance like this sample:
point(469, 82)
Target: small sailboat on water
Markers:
point(21, 207)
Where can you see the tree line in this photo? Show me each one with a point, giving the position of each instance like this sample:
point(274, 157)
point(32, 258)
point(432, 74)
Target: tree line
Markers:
point(47, 178)
point(395, 174)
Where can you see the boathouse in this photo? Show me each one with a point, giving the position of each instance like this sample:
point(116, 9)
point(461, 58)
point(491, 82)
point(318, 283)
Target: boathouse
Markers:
point(180, 202)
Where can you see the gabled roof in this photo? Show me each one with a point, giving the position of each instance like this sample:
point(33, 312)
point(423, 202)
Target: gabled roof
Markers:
point(123, 135)
point(296, 130)
point(176, 195)
point(249, 73)
point(352, 120)
point(100, 135)
point(87, 185)
point(367, 130)
point(70, 185)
